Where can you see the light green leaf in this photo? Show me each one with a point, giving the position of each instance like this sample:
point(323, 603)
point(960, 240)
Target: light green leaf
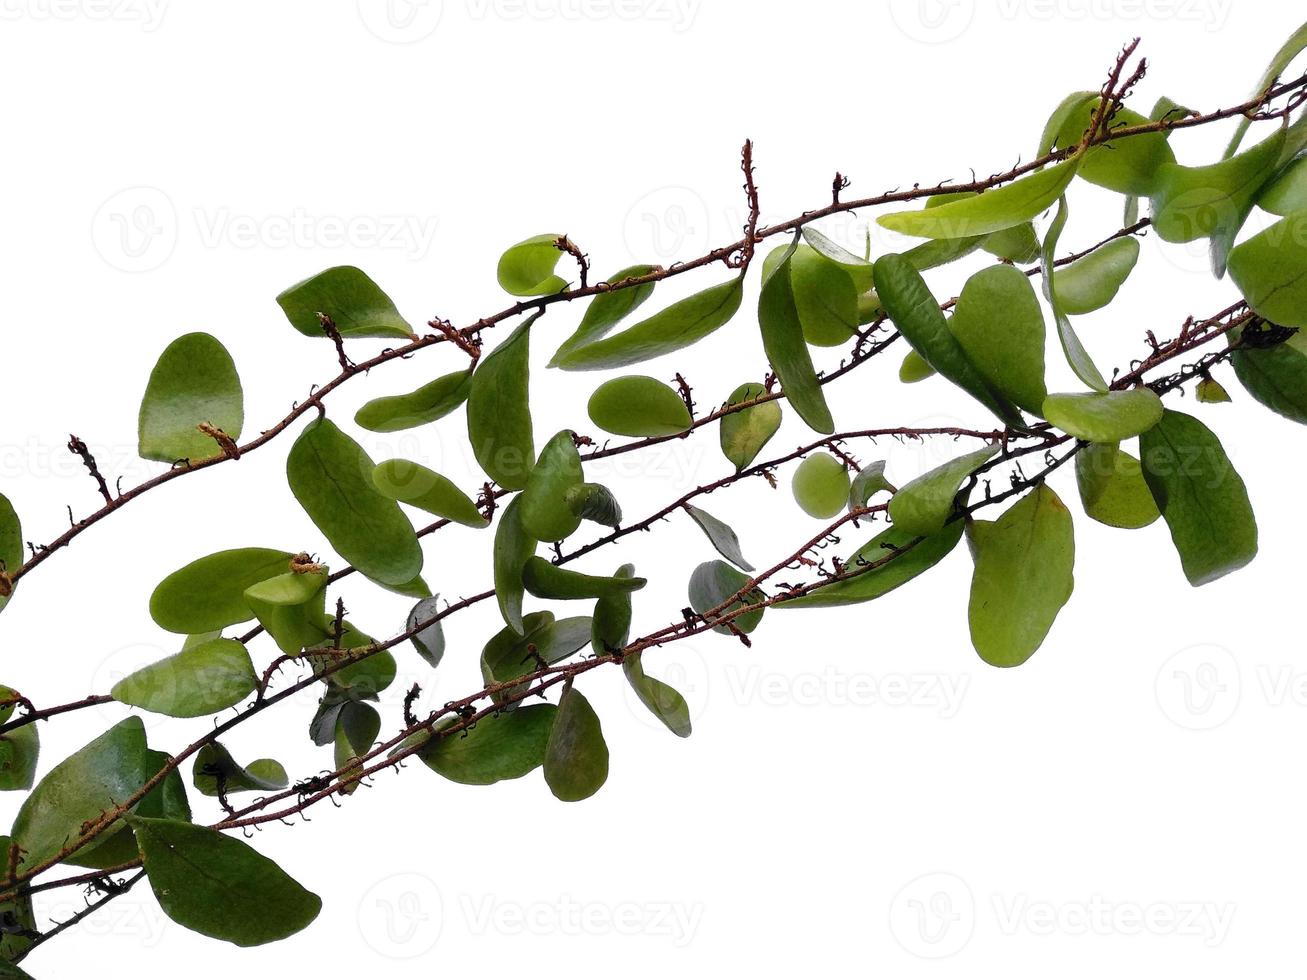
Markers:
point(610, 627)
point(1104, 416)
point(918, 317)
point(821, 486)
point(1090, 283)
point(787, 351)
point(744, 433)
point(869, 481)
point(855, 266)
point(527, 269)
point(1287, 192)
point(1209, 391)
point(923, 506)
point(712, 583)
point(193, 683)
point(193, 383)
point(1127, 165)
point(209, 593)
point(663, 701)
point(1270, 269)
point(416, 485)
point(290, 607)
point(914, 368)
point(638, 405)
point(215, 767)
point(331, 476)
point(219, 886)
point(994, 210)
point(354, 302)
point(11, 548)
point(1000, 326)
point(499, 411)
point(683, 323)
point(576, 758)
point(898, 556)
point(545, 580)
point(1112, 487)
point(1291, 48)
point(434, 400)
point(545, 513)
point(513, 547)
point(824, 295)
point(1275, 375)
point(607, 310)
point(721, 535)
point(501, 746)
point(1022, 578)
point(1076, 355)
point(1201, 497)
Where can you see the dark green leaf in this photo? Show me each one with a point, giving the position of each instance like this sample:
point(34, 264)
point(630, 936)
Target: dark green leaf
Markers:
point(576, 758)
point(786, 348)
point(594, 502)
point(219, 886)
point(513, 547)
point(1000, 327)
point(209, 593)
point(544, 510)
point(434, 400)
point(663, 700)
point(11, 547)
point(712, 583)
point(500, 746)
point(214, 767)
point(195, 682)
point(610, 627)
point(331, 476)
point(1201, 497)
point(193, 383)
point(354, 302)
point(499, 413)
point(1276, 375)
point(545, 580)
point(721, 535)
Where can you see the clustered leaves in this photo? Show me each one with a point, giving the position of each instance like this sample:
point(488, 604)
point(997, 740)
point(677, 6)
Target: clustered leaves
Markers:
point(120, 803)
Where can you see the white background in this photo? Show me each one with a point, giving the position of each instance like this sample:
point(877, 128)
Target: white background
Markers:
point(1130, 797)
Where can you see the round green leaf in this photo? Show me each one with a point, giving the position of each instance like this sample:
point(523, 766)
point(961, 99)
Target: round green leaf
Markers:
point(821, 485)
point(712, 583)
point(214, 767)
point(1269, 269)
point(1112, 487)
point(637, 405)
point(924, 505)
point(610, 626)
point(193, 383)
point(501, 746)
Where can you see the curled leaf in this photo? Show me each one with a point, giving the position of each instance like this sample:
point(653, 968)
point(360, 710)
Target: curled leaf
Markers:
point(527, 269)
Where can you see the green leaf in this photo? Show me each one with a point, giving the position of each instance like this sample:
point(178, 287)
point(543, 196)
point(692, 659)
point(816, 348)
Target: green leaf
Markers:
point(545, 513)
point(290, 607)
point(416, 485)
point(20, 750)
point(594, 502)
point(1076, 355)
point(1090, 283)
point(744, 433)
point(901, 555)
point(824, 296)
point(1112, 487)
point(209, 593)
point(545, 580)
point(219, 886)
point(1201, 497)
point(1270, 269)
point(918, 317)
point(434, 400)
point(1104, 416)
point(923, 506)
point(331, 476)
point(215, 766)
point(195, 682)
point(576, 758)
point(914, 368)
point(1016, 244)
point(663, 701)
point(429, 641)
point(786, 348)
point(359, 681)
point(1291, 48)
point(994, 210)
point(1212, 202)
point(499, 411)
point(354, 302)
point(637, 405)
point(869, 481)
point(683, 323)
point(855, 266)
point(821, 486)
point(1209, 391)
point(19, 931)
point(1022, 577)
point(1276, 375)
point(513, 547)
point(357, 728)
point(610, 626)
point(193, 383)
point(527, 269)
point(607, 310)
point(499, 746)
point(721, 535)
point(11, 547)
point(712, 583)
point(1128, 165)
point(1287, 192)
point(93, 780)
point(1000, 327)
point(546, 640)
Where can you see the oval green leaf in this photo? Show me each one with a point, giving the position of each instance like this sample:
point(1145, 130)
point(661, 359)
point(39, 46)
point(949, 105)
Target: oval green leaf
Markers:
point(637, 405)
point(786, 348)
point(499, 411)
point(1000, 326)
point(194, 383)
point(576, 758)
point(209, 593)
point(434, 400)
point(416, 485)
point(996, 209)
point(199, 681)
point(1112, 487)
point(746, 431)
point(924, 505)
point(1104, 416)
point(1090, 283)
